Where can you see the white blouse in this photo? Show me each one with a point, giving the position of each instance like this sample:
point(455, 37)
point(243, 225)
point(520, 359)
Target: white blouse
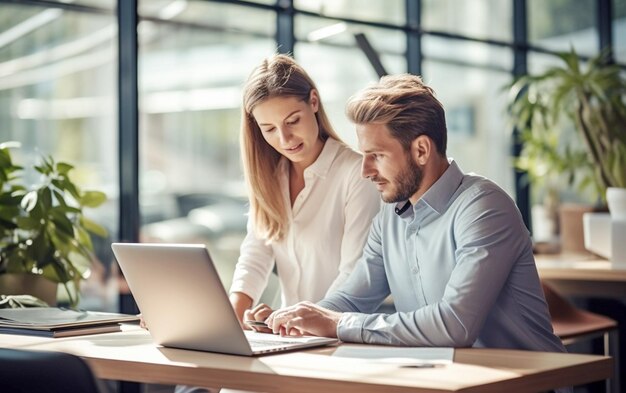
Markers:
point(328, 226)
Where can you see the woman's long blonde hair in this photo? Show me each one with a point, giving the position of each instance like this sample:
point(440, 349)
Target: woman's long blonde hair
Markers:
point(278, 75)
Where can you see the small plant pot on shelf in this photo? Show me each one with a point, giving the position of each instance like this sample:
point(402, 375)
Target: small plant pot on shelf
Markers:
point(616, 199)
point(605, 232)
point(571, 226)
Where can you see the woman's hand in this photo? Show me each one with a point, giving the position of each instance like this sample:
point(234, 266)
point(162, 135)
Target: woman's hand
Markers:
point(240, 302)
point(258, 314)
point(142, 322)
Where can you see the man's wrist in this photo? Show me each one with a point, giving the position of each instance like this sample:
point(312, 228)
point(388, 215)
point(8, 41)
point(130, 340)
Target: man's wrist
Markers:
point(350, 327)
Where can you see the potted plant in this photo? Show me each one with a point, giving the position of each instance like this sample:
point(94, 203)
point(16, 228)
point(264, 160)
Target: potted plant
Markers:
point(572, 121)
point(43, 231)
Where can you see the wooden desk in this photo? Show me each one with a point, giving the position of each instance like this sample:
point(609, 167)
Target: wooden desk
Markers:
point(131, 356)
point(583, 275)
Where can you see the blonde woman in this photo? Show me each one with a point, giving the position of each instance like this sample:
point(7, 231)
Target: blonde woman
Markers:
point(310, 210)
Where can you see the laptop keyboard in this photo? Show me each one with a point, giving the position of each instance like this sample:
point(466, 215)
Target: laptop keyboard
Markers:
point(262, 343)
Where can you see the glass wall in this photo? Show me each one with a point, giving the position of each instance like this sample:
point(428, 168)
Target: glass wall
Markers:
point(562, 25)
point(469, 78)
point(193, 62)
point(486, 19)
point(58, 96)
point(388, 11)
point(479, 137)
point(327, 50)
point(58, 92)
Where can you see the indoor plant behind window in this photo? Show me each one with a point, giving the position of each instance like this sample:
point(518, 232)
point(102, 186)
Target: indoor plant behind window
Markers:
point(43, 231)
point(572, 119)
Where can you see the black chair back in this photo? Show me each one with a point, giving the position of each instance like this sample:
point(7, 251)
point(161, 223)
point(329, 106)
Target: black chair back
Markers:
point(45, 372)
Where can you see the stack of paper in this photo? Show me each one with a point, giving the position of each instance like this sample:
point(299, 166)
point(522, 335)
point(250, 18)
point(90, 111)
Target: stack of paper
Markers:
point(418, 357)
point(60, 322)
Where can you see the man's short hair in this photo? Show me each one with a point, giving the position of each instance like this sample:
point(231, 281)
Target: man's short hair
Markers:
point(406, 105)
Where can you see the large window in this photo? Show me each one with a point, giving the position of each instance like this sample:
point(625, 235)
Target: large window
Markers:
point(58, 97)
point(562, 25)
point(479, 138)
point(478, 18)
point(194, 60)
point(327, 50)
point(58, 91)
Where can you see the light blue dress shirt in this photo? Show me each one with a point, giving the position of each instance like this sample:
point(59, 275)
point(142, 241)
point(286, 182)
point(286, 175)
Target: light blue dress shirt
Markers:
point(460, 268)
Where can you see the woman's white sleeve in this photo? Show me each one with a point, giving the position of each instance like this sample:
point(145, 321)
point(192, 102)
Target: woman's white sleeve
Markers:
point(256, 260)
point(362, 203)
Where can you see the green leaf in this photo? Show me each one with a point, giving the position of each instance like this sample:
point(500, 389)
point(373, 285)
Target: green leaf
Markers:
point(81, 263)
point(45, 196)
point(9, 213)
point(59, 197)
point(38, 212)
point(93, 198)
point(28, 223)
point(71, 187)
point(41, 250)
point(63, 168)
point(61, 241)
point(29, 201)
point(61, 222)
point(5, 159)
point(40, 169)
point(93, 227)
point(65, 209)
point(84, 238)
point(54, 274)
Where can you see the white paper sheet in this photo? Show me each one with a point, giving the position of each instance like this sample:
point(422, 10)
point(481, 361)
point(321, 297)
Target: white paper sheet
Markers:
point(412, 356)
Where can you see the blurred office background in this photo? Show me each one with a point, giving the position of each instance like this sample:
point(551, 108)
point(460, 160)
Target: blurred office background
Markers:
point(59, 93)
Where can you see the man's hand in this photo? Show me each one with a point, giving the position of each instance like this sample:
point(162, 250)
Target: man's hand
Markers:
point(304, 318)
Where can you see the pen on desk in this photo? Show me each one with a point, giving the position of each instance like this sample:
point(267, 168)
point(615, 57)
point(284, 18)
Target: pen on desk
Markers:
point(256, 323)
point(422, 365)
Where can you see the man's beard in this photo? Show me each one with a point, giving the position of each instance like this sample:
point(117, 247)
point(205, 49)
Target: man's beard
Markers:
point(406, 183)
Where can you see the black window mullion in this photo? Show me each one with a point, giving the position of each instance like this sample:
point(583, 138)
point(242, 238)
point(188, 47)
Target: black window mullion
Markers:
point(520, 67)
point(413, 37)
point(285, 35)
point(605, 26)
point(128, 131)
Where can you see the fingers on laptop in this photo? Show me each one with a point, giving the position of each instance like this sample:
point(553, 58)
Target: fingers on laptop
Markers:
point(142, 322)
point(258, 313)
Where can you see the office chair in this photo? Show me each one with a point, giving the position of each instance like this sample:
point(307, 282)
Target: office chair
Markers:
point(572, 324)
point(45, 372)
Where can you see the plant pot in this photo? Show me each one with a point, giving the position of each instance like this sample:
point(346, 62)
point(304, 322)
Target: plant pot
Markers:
point(29, 284)
point(571, 225)
point(616, 199)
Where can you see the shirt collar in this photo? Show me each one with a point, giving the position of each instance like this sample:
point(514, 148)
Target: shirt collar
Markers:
point(440, 193)
point(322, 164)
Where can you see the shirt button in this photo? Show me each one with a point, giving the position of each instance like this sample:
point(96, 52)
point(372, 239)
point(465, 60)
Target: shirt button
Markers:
point(414, 270)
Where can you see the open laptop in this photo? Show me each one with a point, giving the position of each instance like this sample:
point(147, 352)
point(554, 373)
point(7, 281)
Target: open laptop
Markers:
point(184, 304)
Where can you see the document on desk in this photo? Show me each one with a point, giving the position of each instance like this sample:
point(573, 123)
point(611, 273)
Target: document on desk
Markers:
point(402, 356)
point(52, 317)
